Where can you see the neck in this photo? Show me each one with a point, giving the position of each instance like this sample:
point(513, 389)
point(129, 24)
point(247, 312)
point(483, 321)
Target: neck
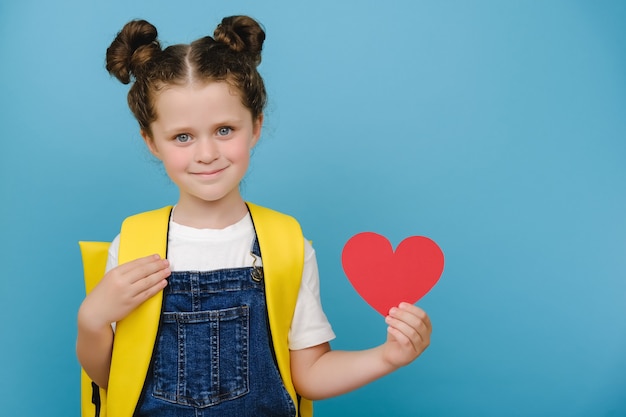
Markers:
point(210, 214)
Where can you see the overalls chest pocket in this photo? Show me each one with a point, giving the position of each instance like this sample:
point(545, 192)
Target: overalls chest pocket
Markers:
point(204, 357)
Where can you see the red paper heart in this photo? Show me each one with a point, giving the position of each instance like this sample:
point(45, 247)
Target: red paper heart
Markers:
point(385, 278)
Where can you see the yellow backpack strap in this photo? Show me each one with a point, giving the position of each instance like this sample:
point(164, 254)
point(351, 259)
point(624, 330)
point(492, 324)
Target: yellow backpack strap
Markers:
point(94, 256)
point(282, 249)
point(141, 235)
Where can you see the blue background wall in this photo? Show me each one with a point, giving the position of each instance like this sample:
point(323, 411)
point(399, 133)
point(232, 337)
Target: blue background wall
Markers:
point(497, 128)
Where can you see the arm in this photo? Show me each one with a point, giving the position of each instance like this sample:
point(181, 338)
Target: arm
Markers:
point(319, 372)
point(120, 291)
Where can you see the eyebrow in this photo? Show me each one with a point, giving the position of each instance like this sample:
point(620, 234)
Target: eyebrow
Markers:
point(185, 128)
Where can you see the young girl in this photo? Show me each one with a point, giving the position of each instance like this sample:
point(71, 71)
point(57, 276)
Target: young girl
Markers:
point(200, 111)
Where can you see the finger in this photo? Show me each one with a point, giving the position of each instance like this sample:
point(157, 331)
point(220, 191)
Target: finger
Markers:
point(407, 343)
point(150, 291)
point(413, 328)
point(144, 269)
point(410, 314)
point(421, 314)
point(405, 310)
point(152, 283)
point(127, 266)
point(413, 309)
point(399, 337)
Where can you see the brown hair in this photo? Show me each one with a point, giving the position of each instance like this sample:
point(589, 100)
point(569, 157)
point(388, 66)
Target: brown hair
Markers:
point(231, 55)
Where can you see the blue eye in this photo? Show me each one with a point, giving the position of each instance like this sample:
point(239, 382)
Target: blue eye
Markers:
point(224, 131)
point(183, 138)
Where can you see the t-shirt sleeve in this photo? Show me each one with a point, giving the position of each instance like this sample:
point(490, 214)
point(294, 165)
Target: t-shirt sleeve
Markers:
point(309, 326)
point(114, 248)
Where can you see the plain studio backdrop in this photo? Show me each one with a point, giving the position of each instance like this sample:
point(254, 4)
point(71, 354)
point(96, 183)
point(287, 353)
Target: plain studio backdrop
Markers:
point(496, 128)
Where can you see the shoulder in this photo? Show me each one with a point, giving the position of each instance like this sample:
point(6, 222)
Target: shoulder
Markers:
point(264, 217)
point(157, 214)
point(256, 210)
point(144, 234)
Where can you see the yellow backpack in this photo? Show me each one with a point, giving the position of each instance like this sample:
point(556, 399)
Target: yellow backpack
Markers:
point(282, 249)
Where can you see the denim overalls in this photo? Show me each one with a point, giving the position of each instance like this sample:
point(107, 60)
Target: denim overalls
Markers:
point(213, 354)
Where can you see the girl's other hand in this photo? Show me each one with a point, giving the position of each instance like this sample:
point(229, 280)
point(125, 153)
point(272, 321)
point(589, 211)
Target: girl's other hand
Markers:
point(408, 334)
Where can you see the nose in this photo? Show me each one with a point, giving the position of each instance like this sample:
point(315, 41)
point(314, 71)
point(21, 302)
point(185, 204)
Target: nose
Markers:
point(207, 150)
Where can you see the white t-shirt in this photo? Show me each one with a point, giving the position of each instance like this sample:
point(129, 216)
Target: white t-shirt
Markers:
point(191, 249)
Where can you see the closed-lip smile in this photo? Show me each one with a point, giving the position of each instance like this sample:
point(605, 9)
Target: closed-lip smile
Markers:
point(208, 173)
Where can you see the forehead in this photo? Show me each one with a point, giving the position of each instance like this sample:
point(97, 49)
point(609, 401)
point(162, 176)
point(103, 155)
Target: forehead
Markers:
point(216, 99)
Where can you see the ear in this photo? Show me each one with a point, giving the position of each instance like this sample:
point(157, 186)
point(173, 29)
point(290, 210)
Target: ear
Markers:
point(256, 130)
point(150, 143)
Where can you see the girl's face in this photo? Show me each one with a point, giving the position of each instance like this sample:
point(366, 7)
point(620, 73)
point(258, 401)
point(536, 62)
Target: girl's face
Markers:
point(203, 134)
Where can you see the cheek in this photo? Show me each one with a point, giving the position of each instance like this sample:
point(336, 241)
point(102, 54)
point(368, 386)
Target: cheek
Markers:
point(174, 161)
point(244, 154)
point(237, 152)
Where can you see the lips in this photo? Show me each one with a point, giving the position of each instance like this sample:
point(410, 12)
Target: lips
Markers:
point(208, 173)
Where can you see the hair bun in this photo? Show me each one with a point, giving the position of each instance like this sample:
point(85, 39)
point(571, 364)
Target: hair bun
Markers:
point(133, 47)
point(241, 34)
